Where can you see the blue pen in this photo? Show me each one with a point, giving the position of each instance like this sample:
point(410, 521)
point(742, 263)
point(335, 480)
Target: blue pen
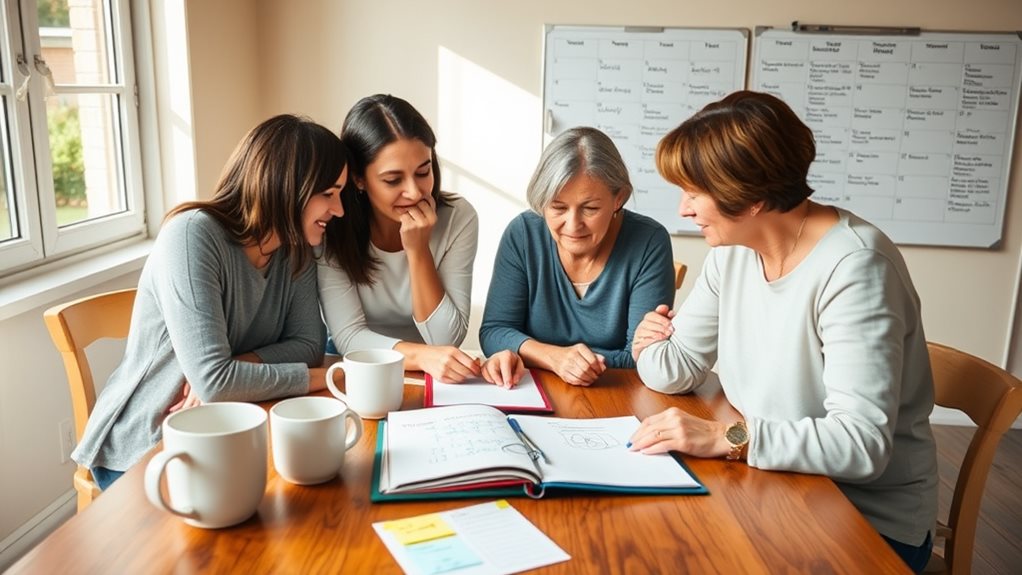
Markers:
point(533, 449)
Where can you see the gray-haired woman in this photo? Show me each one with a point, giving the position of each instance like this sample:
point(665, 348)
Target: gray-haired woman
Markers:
point(574, 276)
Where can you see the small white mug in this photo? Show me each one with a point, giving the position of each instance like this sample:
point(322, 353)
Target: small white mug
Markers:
point(310, 436)
point(214, 456)
point(374, 381)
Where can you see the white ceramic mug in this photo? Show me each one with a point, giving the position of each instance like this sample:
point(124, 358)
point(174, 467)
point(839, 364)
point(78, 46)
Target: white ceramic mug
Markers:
point(214, 456)
point(310, 436)
point(374, 381)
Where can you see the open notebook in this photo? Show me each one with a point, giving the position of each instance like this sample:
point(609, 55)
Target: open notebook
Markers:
point(457, 450)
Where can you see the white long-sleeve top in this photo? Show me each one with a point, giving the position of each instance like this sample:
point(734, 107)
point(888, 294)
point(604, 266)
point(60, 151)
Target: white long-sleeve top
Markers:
point(379, 315)
point(828, 364)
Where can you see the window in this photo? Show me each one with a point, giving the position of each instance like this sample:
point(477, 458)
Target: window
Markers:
point(70, 172)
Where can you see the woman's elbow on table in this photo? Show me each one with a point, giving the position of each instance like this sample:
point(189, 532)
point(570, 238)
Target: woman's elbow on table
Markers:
point(661, 372)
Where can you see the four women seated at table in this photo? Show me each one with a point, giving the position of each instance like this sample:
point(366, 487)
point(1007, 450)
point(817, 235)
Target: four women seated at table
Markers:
point(807, 311)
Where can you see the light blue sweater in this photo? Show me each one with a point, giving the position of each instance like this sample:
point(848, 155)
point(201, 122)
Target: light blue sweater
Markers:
point(531, 296)
point(200, 302)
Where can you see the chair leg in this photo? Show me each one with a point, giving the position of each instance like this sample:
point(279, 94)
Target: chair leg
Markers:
point(84, 499)
point(86, 488)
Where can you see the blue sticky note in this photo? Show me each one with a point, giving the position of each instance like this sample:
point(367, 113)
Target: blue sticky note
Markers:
point(442, 555)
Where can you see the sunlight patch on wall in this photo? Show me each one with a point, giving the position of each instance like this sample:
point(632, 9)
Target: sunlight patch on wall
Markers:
point(487, 125)
point(489, 135)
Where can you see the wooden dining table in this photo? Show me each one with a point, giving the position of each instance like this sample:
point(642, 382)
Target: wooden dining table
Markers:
point(751, 521)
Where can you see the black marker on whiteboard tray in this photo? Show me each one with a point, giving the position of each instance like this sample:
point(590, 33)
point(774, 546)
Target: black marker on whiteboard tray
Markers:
point(839, 29)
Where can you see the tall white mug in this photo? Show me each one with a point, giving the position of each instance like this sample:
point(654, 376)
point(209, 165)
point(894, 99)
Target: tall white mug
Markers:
point(374, 381)
point(310, 436)
point(214, 457)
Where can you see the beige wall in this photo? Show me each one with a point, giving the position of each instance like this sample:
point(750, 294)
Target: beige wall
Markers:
point(34, 398)
point(474, 70)
point(224, 47)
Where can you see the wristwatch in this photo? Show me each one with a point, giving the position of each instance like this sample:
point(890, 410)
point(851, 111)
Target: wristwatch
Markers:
point(737, 435)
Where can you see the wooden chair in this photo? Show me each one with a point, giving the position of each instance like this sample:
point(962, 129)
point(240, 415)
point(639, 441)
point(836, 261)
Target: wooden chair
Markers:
point(679, 274)
point(992, 398)
point(74, 326)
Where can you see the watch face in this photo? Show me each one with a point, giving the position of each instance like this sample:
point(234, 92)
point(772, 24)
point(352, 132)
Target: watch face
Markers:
point(737, 434)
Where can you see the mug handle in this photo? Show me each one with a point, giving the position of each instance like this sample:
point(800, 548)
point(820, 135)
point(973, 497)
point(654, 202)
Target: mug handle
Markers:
point(154, 473)
point(330, 382)
point(352, 417)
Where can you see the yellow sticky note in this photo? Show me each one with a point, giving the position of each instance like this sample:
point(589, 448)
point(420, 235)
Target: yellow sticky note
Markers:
point(502, 504)
point(419, 528)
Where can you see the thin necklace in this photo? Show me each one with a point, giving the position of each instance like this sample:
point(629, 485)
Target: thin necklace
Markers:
point(798, 236)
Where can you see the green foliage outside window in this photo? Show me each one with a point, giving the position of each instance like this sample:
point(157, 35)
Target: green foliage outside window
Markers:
point(53, 14)
point(66, 149)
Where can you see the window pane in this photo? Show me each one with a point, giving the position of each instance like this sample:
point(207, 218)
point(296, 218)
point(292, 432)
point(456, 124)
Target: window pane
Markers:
point(75, 41)
point(8, 216)
point(85, 151)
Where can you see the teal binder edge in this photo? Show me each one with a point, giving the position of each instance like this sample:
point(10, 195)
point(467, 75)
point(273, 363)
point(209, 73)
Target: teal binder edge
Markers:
point(376, 497)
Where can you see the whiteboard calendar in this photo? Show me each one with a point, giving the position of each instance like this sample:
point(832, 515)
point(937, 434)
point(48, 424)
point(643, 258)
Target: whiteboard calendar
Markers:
point(913, 133)
point(636, 84)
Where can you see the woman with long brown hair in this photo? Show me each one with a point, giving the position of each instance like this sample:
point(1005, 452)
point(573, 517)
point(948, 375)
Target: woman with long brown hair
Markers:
point(397, 271)
point(227, 307)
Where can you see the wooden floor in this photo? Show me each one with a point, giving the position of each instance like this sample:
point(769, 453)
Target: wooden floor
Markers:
point(999, 533)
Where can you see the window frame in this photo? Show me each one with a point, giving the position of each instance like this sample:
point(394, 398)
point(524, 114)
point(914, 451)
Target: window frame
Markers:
point(41, 239)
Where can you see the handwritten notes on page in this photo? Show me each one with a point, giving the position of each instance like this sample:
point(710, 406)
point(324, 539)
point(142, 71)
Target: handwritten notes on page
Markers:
point(592, 452)
point(489, 538)
point(447, 446)
point(475, 446)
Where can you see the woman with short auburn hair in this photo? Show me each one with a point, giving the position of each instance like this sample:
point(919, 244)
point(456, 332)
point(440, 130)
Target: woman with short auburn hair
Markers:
point(810, 317)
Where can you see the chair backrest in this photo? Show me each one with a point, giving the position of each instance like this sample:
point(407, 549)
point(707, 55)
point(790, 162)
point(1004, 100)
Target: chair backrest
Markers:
point(679, 274)
point(74, 326)
point(992, 398)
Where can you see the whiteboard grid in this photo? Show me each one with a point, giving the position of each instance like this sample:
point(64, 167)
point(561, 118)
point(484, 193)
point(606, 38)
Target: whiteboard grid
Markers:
point(636, 84)
point(913, 133)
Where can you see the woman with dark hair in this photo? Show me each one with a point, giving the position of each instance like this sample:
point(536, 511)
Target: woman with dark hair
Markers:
point(809, 314)
point(397, 271)
point(574, 276)
point(227, 308)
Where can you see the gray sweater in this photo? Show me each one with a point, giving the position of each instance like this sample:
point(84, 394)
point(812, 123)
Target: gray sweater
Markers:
point(200, 302)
